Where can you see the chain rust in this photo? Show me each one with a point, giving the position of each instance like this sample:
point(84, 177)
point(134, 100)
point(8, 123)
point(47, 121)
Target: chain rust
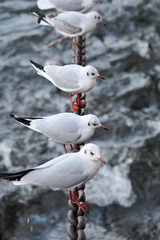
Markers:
point(76, 220)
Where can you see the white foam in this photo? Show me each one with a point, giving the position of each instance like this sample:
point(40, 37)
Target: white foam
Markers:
point(101, 233)
point(112, 185)
point(5, 152)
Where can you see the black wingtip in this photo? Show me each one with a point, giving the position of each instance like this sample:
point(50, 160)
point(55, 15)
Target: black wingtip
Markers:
point(21, 120)
point(32, 10)
point(15, 176)
point(37, 65)
point(40, 16)
point(12, 115)
point(32, 62)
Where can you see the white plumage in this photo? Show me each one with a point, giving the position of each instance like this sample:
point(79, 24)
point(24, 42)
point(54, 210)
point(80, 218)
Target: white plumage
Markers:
point(65, 171)
point(67, 5)
point(65, 128)
point(69, 78)
point(70, 24)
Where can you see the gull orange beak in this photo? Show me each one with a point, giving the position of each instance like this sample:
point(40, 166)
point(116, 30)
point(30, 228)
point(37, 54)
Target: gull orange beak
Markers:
point(103, 127)
point(99, 1)
point(100, 77)
point(102, 160)
point(103, 23)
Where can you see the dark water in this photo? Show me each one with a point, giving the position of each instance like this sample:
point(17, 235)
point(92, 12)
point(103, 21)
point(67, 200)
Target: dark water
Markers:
point(124, 198)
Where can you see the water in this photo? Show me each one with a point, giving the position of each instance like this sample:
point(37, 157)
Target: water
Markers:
point(123, 199)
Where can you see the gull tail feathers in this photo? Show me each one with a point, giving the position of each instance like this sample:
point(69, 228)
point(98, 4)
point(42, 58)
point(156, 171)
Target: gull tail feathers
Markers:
point(26, 121)
point(40, 70)
point(43, 19)
point(15, 177)
point(23, 121)
point(38, 67)
point(44, 4)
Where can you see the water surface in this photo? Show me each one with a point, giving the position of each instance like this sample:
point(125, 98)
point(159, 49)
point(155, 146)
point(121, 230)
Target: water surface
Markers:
point(123, 198)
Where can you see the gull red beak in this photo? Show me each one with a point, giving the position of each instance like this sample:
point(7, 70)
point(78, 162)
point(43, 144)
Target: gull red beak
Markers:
point(103, 23)
point(99, 1)
point(102, 160)
point(103, 127)
point(100, 77)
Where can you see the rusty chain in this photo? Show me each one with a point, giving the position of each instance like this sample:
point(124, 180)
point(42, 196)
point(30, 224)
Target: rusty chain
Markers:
point(75, 214)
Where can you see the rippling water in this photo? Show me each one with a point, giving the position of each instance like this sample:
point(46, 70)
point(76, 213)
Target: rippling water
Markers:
point(123, 199)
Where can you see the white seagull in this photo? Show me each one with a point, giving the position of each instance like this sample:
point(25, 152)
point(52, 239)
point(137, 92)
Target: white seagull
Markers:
point(71, 78)
point(65, 171)
point(64, 128)
point(70, 24)
point(67, 5)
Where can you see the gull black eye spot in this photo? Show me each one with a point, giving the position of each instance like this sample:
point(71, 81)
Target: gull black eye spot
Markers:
point(85, 151)
point(87, 73)
point(94, 124)
point(89, 124)
point(93, 74)
point(92, 153)
point(98, 17)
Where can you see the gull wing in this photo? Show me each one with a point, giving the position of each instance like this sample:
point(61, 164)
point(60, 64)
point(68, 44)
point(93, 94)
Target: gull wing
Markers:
point(63, 26)
point(62, 128)
point(65, 78)
point(70, 20)
point(66, 171)
point(68, 5)
point(45, 4)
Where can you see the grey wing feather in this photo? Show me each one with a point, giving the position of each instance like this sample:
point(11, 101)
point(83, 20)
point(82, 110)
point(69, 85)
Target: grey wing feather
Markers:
point(61, 172)
point(63, 26)
point(68, 5)
point(60, 129)
point(64, 131)
point(64, 79)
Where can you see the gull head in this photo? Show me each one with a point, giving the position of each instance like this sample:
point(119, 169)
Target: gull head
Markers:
point(92, 152)
point(94, 122)
point(96, 17)
point(91, 72)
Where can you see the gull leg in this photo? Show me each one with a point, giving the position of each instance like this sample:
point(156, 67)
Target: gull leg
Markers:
point(80, 103)
point(82, 206)
point(73, 149)
point(74, 107)
point(73, 44)
point(76, 46)
point(70, 197)
point(65, 148)
point(76, 201)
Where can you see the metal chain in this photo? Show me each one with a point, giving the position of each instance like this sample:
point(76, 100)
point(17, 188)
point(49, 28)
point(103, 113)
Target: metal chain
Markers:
point(76, 215)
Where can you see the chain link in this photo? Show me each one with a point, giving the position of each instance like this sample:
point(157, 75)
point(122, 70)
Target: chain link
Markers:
point(76, 219)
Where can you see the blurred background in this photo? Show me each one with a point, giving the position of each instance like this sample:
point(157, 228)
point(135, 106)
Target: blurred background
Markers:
point(124, 197)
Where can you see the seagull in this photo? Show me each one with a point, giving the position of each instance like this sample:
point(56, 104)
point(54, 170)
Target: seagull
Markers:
point(66, 171)
point(70, 24)
point(64, 128)
point(71, 78)
point(67, 5)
